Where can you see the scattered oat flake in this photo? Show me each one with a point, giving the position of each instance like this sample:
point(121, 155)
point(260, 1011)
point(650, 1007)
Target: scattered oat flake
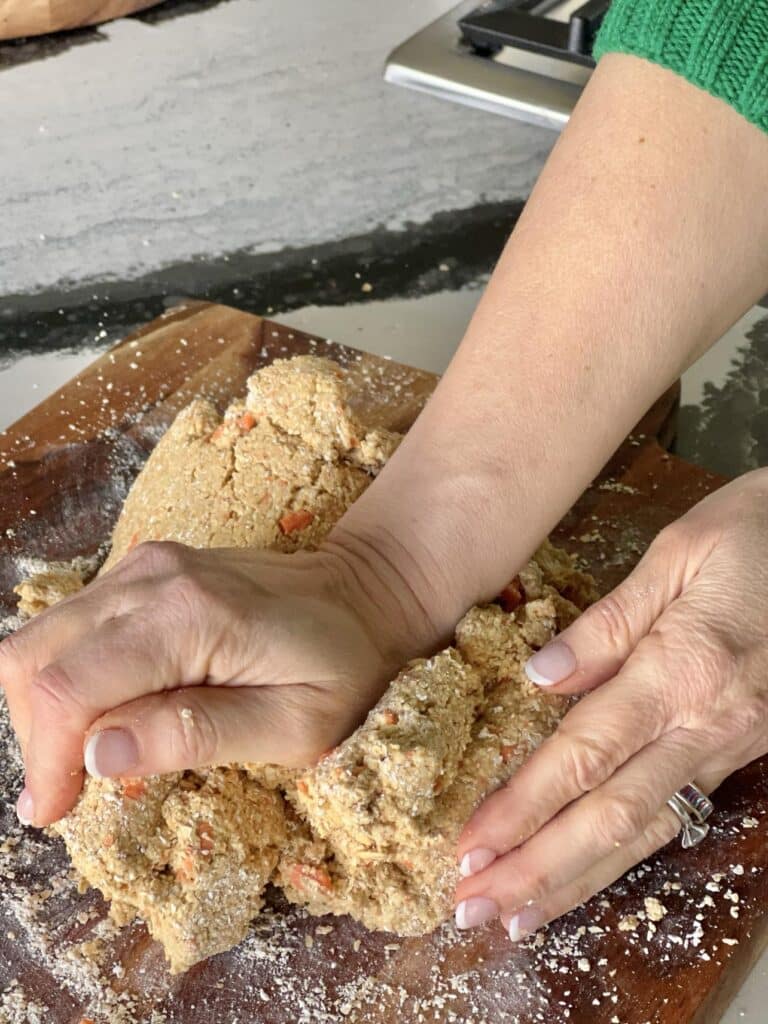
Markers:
point(629, 923)
point(654, 910)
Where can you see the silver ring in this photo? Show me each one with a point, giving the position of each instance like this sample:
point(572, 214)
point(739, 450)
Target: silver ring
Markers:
point(692, 808)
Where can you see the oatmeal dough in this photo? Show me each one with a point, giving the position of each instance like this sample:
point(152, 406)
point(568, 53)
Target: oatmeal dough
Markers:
point(189, 853)
point(371, 830)
point(276, 472)
point(46, 588)
point(390, 802)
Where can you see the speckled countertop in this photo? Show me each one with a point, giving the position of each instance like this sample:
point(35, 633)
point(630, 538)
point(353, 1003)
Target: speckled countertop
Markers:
point(249, 152)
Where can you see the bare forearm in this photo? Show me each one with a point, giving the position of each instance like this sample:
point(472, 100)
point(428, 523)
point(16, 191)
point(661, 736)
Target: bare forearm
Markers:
point(645, 238)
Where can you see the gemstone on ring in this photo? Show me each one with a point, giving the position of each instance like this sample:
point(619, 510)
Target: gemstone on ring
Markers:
point(692, 808)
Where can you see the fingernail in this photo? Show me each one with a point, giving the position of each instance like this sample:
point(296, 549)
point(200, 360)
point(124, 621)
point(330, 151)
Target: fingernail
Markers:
point(474, 911)
point(476, 861)
point(552, 664)
point(111, 752)
point(525, 923)
point(25, 808)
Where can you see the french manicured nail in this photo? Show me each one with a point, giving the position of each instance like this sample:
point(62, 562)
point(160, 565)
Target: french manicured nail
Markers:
point(476, 861)
point(475, 911)
point(552, 664)
point(525, 923)
point(25, 808)
point(111, 752)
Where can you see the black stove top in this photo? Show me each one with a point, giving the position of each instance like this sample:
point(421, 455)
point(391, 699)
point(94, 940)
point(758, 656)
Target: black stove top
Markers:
point(524, 24)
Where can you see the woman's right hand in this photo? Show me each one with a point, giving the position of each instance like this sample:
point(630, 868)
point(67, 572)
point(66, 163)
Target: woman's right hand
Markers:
point(179, 658)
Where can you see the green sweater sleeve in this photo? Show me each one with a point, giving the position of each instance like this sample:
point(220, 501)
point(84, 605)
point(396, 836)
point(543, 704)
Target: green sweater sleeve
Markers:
point(719, 45)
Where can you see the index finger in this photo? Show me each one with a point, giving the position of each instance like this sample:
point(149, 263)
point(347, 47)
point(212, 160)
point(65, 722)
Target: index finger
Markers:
point(124, 659)
point(39, 642)
point(594, 739)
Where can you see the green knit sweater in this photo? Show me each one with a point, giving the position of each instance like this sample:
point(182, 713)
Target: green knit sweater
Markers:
point(719, 45)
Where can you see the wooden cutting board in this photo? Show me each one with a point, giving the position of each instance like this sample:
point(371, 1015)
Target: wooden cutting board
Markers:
point(35, 17)
point(64, 470)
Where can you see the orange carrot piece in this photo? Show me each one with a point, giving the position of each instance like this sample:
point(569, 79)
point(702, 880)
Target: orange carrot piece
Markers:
point(133, 789)
point(302, 786)
point(507, 753)
point(301, 873)
point(390, 717)
point(246, 422)
point(186, 871)
point(512, 595)
point(205, 835)
point(293, 521)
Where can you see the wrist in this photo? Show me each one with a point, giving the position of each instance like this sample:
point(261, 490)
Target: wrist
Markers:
point(389, 590)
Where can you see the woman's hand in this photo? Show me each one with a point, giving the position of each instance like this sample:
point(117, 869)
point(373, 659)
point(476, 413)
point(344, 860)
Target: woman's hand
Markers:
point(676, 659)
point(179, 658)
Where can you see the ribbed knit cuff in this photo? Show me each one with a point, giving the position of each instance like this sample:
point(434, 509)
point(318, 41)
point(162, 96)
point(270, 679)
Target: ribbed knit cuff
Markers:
point(719, 45)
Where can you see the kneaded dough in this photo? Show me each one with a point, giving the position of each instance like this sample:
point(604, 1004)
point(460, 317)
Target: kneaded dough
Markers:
point(371, 829)
point(47, 587)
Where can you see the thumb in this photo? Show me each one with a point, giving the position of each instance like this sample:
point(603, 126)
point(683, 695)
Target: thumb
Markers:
point(594, 647)
point(197, 726)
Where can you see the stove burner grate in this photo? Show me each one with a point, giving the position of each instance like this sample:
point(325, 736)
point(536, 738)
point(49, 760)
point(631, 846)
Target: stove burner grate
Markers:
point(520, 24)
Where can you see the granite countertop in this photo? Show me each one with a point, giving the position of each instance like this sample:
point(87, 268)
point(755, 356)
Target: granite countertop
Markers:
point(249, 152)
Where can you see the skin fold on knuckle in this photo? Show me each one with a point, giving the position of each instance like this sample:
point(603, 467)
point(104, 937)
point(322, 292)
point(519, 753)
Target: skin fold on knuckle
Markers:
point(702, 666)
point(189, 731)
point(586, 761)
point(617, 820)
point(611, 621)
point(154, 559)
point(680, 549)
point(53, 695)
point(736, 731)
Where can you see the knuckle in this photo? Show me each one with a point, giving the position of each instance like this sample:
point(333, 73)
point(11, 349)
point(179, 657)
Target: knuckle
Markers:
point(194, 739)
point(670, 540)
point(611, 619)
point(159, 556)
point(588, 762)
point(186, 591)
point(618, 819)
point(535, 886)
point(747, 720)
point(660, 831)
point(713, 664)
point(704, 666)
point(525, 883)
point(54, 691)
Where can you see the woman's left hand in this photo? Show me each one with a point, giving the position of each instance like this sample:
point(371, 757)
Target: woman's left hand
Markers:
point(676, 659)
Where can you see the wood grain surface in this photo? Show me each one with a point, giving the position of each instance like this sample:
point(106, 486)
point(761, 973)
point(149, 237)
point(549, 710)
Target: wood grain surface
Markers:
point(36, 17)
point(64, 470)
